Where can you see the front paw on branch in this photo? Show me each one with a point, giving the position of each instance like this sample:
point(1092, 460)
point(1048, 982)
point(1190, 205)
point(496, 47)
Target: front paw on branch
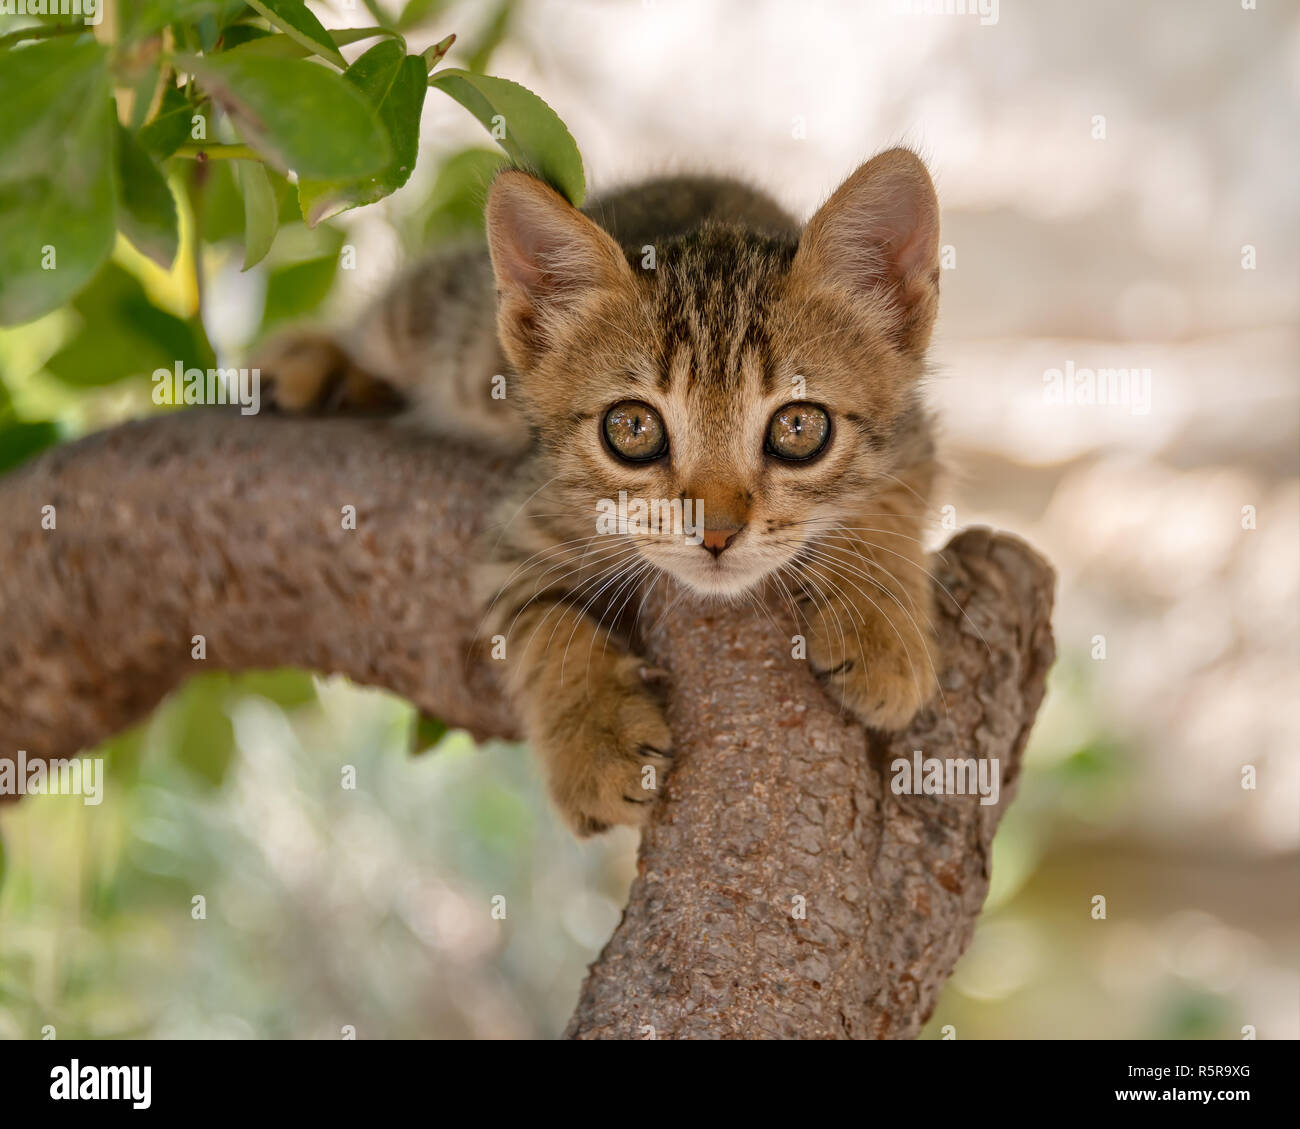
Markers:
point(607, 746)
point(882, 684)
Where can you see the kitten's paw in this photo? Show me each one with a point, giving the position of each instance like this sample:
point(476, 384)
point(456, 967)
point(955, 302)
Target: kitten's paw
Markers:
point(869, 670)
point(306, 371)
point(606, 745)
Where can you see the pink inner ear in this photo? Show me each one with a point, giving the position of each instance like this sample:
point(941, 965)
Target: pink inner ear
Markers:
point(889, 240)
point(880, 226)
point(518, 244)
point(911, 255)
point(877, 237)
point(541, 245)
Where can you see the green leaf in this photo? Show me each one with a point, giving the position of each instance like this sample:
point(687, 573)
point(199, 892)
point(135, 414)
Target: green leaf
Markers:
point(295, 113)
point(296, 290)
point(148, 214)
point(294, 19)
point(395, 83)
point(282, 47)
point(261, 210)
point(435, 53)
point(124, 753)
point(229, 11)
point(455, 206)
point(105, 355)
point(209, 33)
point(141, 85)
point(265, 46)
point(426, 732)
point(171, 126)
point(123, 335)
point(345, 35)
point(522, 124)
point(241, 34)
point(491, 37)
point(221, 208)
point(20, 440)
point(148, 17)
point(200, 730)
point(287, 686)
point(58, 187)
point(420, 11)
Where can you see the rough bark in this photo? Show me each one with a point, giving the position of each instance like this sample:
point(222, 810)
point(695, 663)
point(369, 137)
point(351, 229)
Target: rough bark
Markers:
point(783, 889)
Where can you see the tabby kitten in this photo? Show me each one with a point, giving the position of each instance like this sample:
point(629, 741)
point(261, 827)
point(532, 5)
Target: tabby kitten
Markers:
point(769, 374)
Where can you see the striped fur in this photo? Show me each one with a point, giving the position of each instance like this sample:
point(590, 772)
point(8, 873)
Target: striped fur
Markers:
point(740, 313)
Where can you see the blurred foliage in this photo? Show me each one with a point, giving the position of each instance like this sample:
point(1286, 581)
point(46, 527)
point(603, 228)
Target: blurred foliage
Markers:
point(325, 904)
point(155, 152)
point(455, 205)
point(134, 150)
point(1041, 965)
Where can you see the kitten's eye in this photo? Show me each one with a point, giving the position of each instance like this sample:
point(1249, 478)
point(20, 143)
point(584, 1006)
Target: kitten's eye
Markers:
point(635, 432)
point(798, 431)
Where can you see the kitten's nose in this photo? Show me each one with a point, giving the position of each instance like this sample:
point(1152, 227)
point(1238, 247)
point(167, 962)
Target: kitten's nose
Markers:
point(715, 540)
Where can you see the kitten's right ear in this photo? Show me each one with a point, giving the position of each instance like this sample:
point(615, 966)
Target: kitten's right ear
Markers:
point(877, 239)
point(548, 258)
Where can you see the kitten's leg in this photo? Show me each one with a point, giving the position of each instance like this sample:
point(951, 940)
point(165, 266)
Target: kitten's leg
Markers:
point(309, 371)
point(428, 347)
point(592, 710)
point(870, 609)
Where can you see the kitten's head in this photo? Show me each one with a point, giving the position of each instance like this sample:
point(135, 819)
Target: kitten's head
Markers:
point(771, 380)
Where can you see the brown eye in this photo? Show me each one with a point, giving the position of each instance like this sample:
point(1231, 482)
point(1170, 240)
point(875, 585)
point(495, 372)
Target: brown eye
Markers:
point(635, 432)
point(798, 432)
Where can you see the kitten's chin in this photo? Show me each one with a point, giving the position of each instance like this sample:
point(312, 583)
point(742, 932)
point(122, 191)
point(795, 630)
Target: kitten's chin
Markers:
point(718, 578)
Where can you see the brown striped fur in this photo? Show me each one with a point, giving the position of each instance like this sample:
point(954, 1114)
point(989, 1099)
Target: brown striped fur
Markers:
point(741, 313)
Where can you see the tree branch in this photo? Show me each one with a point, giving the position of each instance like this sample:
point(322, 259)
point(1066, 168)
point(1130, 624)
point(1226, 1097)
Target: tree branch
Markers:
point(783, 889)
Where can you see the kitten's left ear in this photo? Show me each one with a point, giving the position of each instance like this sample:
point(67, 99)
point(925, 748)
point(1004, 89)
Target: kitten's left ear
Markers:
point(877, 238)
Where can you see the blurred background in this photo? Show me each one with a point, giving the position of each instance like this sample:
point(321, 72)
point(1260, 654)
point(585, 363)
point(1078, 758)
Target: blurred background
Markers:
point(1119, 186)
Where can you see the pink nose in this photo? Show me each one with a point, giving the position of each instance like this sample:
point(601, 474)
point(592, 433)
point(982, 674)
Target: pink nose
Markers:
point(715, 540)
